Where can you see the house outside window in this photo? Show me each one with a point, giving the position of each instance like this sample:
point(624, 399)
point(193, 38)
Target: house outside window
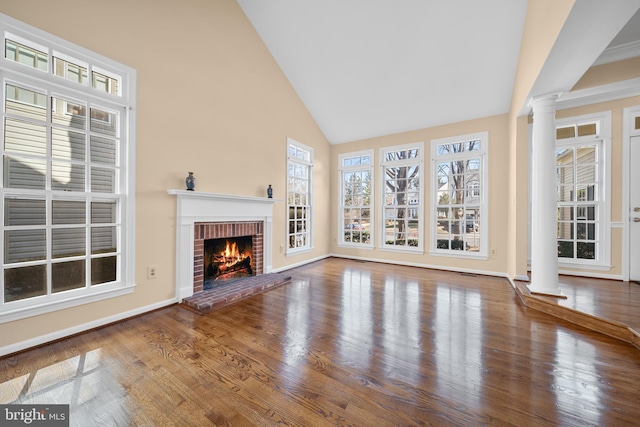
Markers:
point(356, 199)
point(582, 177)
point(402, 207)
point(67, 180)
point(299, 196)
point(459, 196)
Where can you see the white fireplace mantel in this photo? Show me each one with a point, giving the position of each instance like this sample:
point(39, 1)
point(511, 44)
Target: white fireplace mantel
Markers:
point(193, 207)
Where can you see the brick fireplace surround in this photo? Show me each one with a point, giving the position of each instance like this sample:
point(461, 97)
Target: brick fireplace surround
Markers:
point(202, 216)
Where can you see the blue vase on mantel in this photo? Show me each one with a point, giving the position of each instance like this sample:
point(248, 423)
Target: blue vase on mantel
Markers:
point(191, 182)
point(269, 192)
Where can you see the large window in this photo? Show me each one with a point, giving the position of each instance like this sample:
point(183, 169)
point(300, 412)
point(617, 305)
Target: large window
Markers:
point(67, 193)
point(356, 199)
point(582, 210)
point(402, 197)
point(299, 196)
point(459, 194)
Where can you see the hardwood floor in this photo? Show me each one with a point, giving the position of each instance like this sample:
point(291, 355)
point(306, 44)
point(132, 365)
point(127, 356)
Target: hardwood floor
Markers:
point(346, 343)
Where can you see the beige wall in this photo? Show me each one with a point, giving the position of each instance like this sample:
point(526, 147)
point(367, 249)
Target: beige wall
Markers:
point(609, 73)
point(497, 128)
point(211, 100)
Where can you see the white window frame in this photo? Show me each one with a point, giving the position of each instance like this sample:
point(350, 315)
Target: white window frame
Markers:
point(483, 137)
point(292, 162)
point(342, 169)
point(124, 103)
point(419, 206)
point(603, 201)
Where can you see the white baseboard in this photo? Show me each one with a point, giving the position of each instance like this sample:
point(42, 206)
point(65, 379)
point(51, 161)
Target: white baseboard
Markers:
point(431, 266)
point(299, 264)
point(43, 339)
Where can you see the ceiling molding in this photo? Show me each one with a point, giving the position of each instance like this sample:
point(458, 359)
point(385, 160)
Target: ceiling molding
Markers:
point(619, 53)
point(596, 94)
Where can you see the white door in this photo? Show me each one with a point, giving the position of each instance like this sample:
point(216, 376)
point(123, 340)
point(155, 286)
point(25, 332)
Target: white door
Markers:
point(634, 204)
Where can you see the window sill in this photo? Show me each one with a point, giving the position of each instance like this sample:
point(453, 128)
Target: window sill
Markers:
point(584, 266)
point(37, 309)
point(460, 254)
point(409, 250)
point(355, 246)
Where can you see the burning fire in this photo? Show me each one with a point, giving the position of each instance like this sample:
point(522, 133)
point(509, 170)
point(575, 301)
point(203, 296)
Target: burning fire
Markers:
point(230, 255)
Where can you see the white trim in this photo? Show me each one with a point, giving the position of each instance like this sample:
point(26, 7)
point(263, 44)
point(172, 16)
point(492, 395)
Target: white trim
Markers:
point(195, 207)
point(619, 53)
point(423, 265)
point(43, 339)
point(301, 263)
point(628, 131)
point(596, 94)
point(592, 274)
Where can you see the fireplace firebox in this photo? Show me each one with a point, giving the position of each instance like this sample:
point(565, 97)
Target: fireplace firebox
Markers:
point(227, 259)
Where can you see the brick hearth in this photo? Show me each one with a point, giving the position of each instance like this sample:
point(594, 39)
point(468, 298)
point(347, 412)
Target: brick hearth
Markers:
point(205, 301)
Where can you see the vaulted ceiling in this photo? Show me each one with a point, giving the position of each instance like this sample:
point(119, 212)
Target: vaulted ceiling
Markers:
point(367, 68)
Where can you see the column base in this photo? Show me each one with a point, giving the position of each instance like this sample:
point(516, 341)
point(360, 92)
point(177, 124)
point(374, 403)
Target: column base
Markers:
point(556, 293)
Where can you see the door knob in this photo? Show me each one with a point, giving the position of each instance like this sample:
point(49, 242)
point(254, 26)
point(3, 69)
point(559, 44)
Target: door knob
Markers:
point(636, 219)
point(636, 209)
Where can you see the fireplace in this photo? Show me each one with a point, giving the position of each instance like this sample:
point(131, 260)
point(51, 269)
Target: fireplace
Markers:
point(206, 216)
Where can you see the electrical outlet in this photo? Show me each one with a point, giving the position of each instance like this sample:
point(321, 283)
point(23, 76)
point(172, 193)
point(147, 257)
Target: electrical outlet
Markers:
point(152, 272)
point(281, 249)
point(494, 252)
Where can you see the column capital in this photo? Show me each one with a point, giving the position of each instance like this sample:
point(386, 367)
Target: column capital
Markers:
point(544, 103)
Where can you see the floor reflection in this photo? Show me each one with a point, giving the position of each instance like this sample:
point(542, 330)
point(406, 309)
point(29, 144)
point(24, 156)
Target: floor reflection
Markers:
point(458, 342)
point(356, 322)
point(84, 382)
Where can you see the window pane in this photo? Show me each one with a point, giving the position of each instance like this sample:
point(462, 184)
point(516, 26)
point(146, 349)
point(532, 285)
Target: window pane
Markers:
point(69, 70)
point(26, 55)
point(68, 212)
point(105, 83)
point(25, 138)
point(24, 212)
point(68, 242)
point(68, 113)
point(103, 122)
point(588, 129)
point(24, 173)
point(68, 275)
point(586, 250)
point(103, 150)
point(24, 245)
point(25, 282)
point(67, 176)
point(103, 239)
point(67, 145)
point(103, 270)
point(566, 132)
point(103, 212)
point(103, 180)
point(26, 103)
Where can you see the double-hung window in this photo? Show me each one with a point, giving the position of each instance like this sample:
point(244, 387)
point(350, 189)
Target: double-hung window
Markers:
point(402, 224)
point(459, 195)
point(356, 199)
point(299, 196)
point(67, 174)
point(581, 172)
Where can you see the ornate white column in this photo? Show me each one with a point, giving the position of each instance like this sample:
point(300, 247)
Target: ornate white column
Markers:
point(544, 205)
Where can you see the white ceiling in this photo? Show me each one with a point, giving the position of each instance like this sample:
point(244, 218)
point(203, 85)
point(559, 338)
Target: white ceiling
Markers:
point(367, 68)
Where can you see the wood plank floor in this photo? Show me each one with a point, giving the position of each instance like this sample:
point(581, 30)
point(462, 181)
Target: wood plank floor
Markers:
point(346, 343)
